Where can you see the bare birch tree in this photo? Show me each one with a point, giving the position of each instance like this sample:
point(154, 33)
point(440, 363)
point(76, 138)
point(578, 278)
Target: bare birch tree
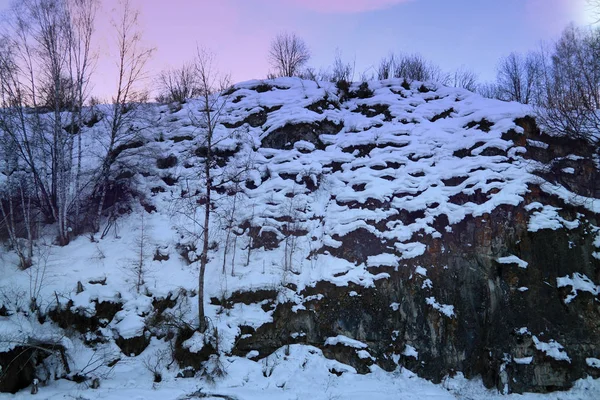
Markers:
point(211, 86)
point(81, 63)
point(131, 63)
point(48, 66)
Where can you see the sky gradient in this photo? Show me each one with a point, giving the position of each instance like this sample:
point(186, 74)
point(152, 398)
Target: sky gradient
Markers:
point(451, 33)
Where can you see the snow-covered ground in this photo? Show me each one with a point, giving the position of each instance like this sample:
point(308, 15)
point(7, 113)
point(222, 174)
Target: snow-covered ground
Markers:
point(301, 373)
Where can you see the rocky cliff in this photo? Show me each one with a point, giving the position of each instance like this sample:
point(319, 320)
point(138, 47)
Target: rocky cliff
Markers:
point(387, 223)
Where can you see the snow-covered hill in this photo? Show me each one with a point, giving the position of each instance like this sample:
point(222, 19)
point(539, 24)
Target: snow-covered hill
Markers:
point(386, 227)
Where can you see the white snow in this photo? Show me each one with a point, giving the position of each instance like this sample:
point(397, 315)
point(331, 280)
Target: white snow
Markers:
point(523, 360)
point(382, 260)
point(579, 283)
point(548, 218)
point(512, 259)
point(130, 326)
point(523, 331)
point(552, 349)
point(346, 341)
point(537, 143)
point(447, 310)
point(592, 362)
point(410, 351)
point(363, 354)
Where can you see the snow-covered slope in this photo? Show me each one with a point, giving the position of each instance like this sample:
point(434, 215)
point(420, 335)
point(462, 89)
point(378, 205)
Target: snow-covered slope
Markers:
point(388, 225)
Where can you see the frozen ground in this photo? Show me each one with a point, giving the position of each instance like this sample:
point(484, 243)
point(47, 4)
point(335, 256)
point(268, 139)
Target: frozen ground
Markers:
point(303, 374)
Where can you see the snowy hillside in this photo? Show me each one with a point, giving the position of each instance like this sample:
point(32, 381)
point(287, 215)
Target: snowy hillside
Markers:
point(362, 241)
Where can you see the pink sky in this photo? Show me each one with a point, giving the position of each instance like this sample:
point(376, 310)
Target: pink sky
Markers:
point(475, 33)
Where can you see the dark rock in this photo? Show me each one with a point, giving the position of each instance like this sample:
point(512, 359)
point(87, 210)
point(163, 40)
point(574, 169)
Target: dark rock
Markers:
point(18, 369)
point(286, 136)
point(167, 162)
point(442, 115)
point(187, 359)
point(81, 321)
point(133, 346)
point(488, 308)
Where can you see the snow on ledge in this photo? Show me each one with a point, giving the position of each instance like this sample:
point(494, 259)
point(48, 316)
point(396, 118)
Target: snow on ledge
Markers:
point(512, 259)
point(523, 360)
point(411, 250)
point(553, 349)
point(410, 351)
point(445, 309)
point(592, 362)
point(382, 260)
point(365, 355)
point(578, 282)
point(132, 325)
point(547, 218)
point(537, 143)
point(345, 341)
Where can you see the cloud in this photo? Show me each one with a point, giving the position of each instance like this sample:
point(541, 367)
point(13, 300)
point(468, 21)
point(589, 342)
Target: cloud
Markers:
point(345, 6)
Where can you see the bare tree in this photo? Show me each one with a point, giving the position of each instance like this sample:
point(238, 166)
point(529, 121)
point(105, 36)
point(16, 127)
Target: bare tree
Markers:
point(294, 210)
point(16, 210)
point(132, 59)
point(594, 7)
point(138, 268)
point(519, 78)
point(464, 78)
point(230, 223)
point(198, 204)
point(489, 90)
point(288, 54)
point(341, 71)
point(81, 63)
point(412, 67)
point(415, 67)
point(572, 81)
point(42, 37)
point(385, 70)
point(211, 88)
point(46, 66)
point(178, 84)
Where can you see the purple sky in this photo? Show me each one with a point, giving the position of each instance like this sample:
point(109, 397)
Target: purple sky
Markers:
point(474, 33)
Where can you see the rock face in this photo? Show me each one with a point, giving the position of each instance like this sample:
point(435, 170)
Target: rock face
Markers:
point(490, 333)
point(481, 237)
